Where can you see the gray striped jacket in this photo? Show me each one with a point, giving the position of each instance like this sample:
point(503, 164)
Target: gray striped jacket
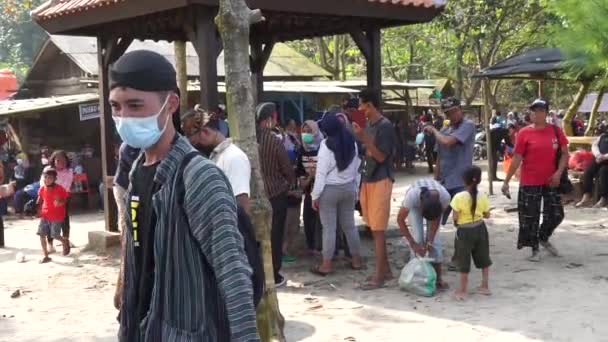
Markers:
point(192, 290)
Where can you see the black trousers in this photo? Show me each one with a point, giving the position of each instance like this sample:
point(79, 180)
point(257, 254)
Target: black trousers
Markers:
point(431, 156)
point(279, 216)
point(596, 170)
point(531, 231)
point(311, 220)
point(1, 232)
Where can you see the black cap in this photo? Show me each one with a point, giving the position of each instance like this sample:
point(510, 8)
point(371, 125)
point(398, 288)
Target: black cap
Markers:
point(539, 103)
point(143, 70)
point(431, 205)
point(450, 103)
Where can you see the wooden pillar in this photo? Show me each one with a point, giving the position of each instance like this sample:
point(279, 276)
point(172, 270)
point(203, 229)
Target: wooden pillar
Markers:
point(374, 62)
point(108, 51)
point(260, 53)
point(541, 91)
point(486, 124)
point(206, 42)
point(182, 73)
point(369, 44)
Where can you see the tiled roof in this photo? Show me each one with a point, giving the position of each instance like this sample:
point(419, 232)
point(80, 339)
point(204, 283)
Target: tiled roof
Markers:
point(57, 8)
point(416, 3)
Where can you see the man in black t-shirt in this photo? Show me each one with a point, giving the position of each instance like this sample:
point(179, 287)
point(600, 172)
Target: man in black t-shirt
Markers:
point(377, 181)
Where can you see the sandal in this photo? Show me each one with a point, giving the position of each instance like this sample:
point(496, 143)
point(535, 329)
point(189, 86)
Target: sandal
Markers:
point(353, 267)
point(317, 270)
point(371, 285)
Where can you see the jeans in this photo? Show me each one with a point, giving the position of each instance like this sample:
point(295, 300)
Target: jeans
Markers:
point(279, 216)
point(337, 202)
point(21, 198)
point(417, 230)
point(65, 228)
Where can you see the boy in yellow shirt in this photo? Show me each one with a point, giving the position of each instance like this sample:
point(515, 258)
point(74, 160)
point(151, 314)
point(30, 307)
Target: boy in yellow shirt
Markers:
point(470, 208)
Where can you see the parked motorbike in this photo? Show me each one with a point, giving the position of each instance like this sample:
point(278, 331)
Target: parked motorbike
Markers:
point(480, 150)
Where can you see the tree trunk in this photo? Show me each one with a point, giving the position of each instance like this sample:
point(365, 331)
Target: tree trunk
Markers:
point(593, 115)
point(182, 73)
point(459, 76)
point(580, 96)
point(337, 51)
point(233, 21)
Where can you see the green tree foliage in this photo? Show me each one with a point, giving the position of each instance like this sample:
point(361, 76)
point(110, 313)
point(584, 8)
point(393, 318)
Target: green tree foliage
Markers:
point(582, 33)
point(20, 37)
point(468, 36)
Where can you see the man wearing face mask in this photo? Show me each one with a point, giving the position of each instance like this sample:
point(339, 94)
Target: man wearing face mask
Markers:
point(203, 130)
point(185, 273)
point(278, 175)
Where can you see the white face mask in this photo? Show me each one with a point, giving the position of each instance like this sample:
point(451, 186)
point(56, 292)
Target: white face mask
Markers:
point(141, 132)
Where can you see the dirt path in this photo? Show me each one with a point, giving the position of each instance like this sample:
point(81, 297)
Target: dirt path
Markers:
point(559, 299)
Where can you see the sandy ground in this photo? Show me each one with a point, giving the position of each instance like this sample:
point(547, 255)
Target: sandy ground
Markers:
point(559, 299)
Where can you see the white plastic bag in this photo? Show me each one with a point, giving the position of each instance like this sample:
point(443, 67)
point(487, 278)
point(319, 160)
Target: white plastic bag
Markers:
point(419, 277)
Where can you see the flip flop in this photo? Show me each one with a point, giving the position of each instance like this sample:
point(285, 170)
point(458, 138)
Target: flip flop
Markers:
point(459, 298)
point(316, 270)
point(352, 267)
point(371, 285)
point(388, 277)
point(483, 292)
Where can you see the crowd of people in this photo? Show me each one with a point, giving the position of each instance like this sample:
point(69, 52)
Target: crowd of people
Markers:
point(182, 187)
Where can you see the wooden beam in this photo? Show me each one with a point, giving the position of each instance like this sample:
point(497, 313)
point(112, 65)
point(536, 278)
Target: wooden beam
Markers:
point(362, 43)
point(108, 51)
point(260, 54)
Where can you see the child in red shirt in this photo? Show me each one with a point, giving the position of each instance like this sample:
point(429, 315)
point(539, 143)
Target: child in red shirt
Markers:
point(53, 199)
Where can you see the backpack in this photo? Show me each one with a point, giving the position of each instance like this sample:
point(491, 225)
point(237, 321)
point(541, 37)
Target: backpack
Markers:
point(252, 246)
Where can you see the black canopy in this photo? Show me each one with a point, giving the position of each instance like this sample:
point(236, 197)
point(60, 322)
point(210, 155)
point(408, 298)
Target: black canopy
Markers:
point(532, 62)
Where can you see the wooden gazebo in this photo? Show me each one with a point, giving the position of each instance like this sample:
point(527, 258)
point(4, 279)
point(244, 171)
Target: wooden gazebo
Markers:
point(116, 23)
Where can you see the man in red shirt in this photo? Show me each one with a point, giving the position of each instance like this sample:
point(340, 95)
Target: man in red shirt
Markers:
point(53, 198)
point(536, 150)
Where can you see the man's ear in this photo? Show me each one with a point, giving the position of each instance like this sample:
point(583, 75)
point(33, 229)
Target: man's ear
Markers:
point(172, 103)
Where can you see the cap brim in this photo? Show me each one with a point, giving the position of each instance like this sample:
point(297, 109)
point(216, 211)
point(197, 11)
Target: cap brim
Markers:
point(532, 107)
point(449, 109)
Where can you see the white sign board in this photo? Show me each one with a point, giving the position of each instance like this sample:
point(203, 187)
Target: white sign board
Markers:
point(89, 111)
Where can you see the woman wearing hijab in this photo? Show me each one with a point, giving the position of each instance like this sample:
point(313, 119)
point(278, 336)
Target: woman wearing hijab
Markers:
point(334, 191)
point(311, 141)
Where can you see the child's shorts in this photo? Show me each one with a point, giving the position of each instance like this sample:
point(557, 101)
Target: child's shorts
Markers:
point(472, 241)
point(49, 228)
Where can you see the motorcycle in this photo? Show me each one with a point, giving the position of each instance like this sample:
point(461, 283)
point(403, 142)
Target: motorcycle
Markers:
point(480, 150)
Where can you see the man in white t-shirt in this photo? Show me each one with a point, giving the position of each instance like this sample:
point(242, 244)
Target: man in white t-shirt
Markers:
point(203, 131)
point(425, 200)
